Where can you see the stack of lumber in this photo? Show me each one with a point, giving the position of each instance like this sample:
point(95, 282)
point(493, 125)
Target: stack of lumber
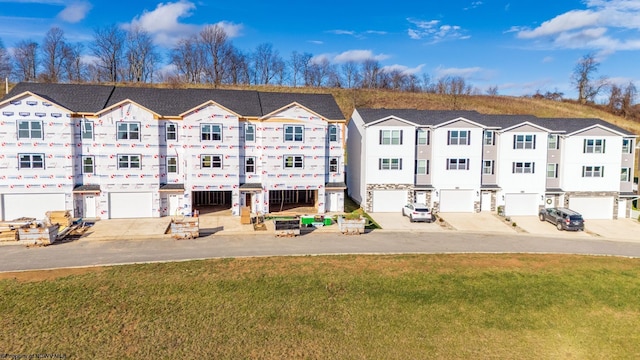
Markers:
point(61, 217)
point(8, 233)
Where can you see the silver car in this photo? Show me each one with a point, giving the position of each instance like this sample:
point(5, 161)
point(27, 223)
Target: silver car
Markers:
point(417, 212)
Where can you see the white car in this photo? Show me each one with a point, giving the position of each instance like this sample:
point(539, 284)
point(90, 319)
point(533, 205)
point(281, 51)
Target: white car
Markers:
point(417, 212)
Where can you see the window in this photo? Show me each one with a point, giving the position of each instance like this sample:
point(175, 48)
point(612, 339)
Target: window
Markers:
point(88, 165)
point(390, 137)
point(172, 164)
point(457, 164)
point(86, 130)
point(627, 145)
point(128, 161)
point(487, 167)
point(552, 171)
point(30, 129)
point(625, 174)
point(333, 165)
point(594, 146)
point(31, 161)
point(592, 171)
point(294, 162)
point(422, 167)
point(172, 131)
point(553, 143)
point(422, 137)
point(128, 131)
point(524, 141)
point(390, 164)
point(489, 139)
point(249, 132)
point(211, 132)
point(211, 161)
point(249, 165)
point(458, 137)
point(523, 167)
point(333, 133)
point(294, 133)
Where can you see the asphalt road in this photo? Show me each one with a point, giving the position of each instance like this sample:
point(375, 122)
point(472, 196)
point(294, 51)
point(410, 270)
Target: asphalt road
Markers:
point(84, 253)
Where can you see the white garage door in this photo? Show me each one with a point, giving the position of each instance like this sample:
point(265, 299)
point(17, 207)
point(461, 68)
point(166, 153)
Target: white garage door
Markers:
point(593, 207)
point(521, 204)
point(130, 205)
point(389, 200)
point(456, 200)
point(31, 205)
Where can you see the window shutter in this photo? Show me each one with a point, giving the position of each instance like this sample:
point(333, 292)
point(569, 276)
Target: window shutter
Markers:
point(427, 167)
point(449, 137)
point(603, 142)
point(492, 167)
point(601, 171)
point(493, 137)
point(534, 141)
point(380, 140)
point(379, 164)
point(583, 169)
point(533, 165)
point(416, 167)
point(448, 163)
point(514, 141)
point(584, 150)
point(513, 167)
point(428, 136)
point(467, 165)
point(468, 137)
point(400, 137)
point(400, 164)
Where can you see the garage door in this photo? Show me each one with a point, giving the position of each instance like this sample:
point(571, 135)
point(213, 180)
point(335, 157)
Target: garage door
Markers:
point(521, 204)
point(31, 205)
point(389, 200)
point(456, 200)
point(593, 207)
point(130, 205)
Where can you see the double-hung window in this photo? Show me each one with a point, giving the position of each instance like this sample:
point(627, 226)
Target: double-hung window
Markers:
point(487, 167)
point(390, 137)
point(422, 167)
point(86, 130)
point(524, 141)
point(128, 161)
point(592, 171)
point(523, 167)
point(128, 131)
point(250, 165)
point(627, 145)
point(333, 133)
point(211, 132)
point(172, 132)
point(333, 165)
point(489, 137)
point(30, 129)
point(625, 174)
point(88, 165)
point(552, 143)
point(593, 146)
point(249, 132)
point(293, 133)
point(211, 161)
point(422, 137)
point(390, 164)
point(458, 137)
point(457, 164)
point(552, 171)
point(172, 164)
point(31, 161)
point(293, 162)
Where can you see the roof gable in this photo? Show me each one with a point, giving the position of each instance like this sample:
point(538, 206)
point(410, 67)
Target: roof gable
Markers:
point(526, 127)
point(20, 97)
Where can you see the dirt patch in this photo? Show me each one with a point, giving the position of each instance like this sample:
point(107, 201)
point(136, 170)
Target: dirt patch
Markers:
point(42, 275)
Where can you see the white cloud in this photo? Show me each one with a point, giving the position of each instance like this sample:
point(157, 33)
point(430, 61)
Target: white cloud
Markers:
point(165, 25)
point(466, 73)
point(432, 31)
point(75, 12)
point(548, 59)
point(342, 32)
point(317, 42)
point(358, 56)
point(403, 69)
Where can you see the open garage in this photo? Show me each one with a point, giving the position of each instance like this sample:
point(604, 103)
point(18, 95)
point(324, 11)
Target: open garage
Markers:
point(521, 204)
point(287, 200)
point(389, 200)
point(129, 205)
point(593, 207)
point(211, 201)
point(31, 205)
point(456, 200)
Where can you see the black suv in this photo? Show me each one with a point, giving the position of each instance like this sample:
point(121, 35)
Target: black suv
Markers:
point(563, 218)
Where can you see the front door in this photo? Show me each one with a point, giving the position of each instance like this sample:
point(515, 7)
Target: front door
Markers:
point(89, 206)
point(485, 204)
point(174, 205)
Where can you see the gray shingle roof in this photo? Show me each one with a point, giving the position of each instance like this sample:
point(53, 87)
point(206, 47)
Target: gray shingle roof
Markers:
point(435, 117)
point(322, 104)
point(75, 97)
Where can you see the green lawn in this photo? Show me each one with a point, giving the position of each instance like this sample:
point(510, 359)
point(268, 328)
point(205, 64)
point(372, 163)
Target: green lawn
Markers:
point(341, 307)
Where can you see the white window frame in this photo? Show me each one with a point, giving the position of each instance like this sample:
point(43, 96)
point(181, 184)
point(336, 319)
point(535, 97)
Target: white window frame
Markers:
point(128, 130)
point(293, 133)
point(455, 137)
point(627, 145)
point(211, 161)
point(593, 171)
point(172, 168)
point(552, 171)
point(333, 133)
point(334, 165)
point(249, 132)
point(390, 164)
point(523, 167)
point(88, 168)
point(422, 137)
point(129, 161)
point(31, 161)
point(31, 131)
point(553, 142)
point(211, 132)
point(422, 167)
point(390, 137)
point(171, 134)
point(488, 167)
point(489, 137)
point(625, 174)
point(457, 164)
point(86, 130)
point(524, 141)
point(247, 165)
point(594, 146)
point(293, 162)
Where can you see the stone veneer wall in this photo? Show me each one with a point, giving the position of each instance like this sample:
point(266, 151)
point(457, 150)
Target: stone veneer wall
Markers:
point(371, 187)
point(614, 194)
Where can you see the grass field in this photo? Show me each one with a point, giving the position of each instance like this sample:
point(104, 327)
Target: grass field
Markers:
point(342, 307)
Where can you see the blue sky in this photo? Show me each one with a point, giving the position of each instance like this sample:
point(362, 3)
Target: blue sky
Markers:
point(519, 46)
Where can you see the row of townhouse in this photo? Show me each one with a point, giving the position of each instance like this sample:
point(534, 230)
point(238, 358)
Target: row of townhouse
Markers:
point(123, 152)
point(463, 161)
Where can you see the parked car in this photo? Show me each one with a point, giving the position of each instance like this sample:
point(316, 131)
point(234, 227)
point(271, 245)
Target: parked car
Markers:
point(563, 218)
point(417, 212)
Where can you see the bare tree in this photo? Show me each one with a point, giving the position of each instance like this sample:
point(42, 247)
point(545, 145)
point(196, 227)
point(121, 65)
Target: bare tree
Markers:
point(299, 65)
point(492, 90)
point(5, 62)
point(267, 64)
point(216, 50)
point(141, 56)
point(628, 99)
point(456, 87)
point(74, 68)
point(319, 72)
point(583, 79)
point(54, 50)
point(187, 57)
point(26, 61)
point(237, 68)
point(370, 73)
point(351, 73)
point(108, 47)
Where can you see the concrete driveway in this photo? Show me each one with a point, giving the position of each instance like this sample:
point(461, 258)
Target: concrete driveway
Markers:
point(397, 222)
point(533, 226)
point(477, 222)
point(620, 229)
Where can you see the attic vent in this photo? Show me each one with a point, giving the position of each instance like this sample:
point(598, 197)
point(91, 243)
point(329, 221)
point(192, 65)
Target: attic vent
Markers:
point(46, 103)
point(56, 115)
point(32, 103)
point(7, 113)
point(24, 113)
point(16, 102)
point(38, 114)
